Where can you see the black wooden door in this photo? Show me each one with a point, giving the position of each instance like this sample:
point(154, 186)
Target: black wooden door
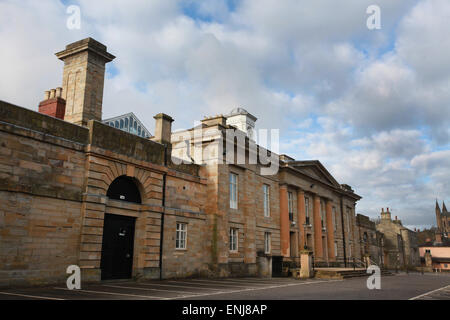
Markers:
point(117, 248)
point(277, 266)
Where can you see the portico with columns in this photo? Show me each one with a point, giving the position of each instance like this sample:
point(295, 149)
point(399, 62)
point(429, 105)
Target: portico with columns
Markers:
point(322, 208)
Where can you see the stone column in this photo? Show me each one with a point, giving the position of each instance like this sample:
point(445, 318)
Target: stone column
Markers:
point(301, 218)
point(306, 270)
point(318, 248)
point(330, 231)
point(284, 221)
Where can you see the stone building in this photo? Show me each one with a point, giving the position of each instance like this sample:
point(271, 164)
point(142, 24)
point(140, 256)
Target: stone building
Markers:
point(371, 240)
point(273, 216)
point(76, 191)
point(82, 192)
point(399, 243)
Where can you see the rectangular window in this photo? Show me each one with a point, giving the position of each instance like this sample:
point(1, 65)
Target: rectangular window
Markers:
point(334, 218)
point(267, 244)
point(266, 190)
point(291, 206)
point(322, 213)
point(307, 210)
point(233, 191)
point(348, 219)
point(233, 239)
point(181, 236)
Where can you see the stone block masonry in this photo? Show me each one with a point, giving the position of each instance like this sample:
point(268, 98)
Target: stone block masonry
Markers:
point(54, 178)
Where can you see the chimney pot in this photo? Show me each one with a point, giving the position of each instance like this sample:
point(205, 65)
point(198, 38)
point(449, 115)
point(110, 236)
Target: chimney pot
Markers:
point(47, 95)
point(52, 93)
point(58, 92)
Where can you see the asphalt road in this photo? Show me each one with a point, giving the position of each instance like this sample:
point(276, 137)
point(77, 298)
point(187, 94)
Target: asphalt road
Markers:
point(398, 287)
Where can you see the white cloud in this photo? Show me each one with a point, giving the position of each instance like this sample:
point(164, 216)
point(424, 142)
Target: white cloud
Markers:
point(373, 106)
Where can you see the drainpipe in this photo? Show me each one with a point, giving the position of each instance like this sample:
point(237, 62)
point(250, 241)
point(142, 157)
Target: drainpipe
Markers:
point(343, 231)
point(161, 240)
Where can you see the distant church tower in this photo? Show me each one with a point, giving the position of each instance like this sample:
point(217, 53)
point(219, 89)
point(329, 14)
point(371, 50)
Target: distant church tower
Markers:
point(442, 222)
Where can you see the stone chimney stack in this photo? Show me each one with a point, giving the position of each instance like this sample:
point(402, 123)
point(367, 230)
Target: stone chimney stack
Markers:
point(53, 104)
point(163, 129)
point(385, 215)
point(83, 80)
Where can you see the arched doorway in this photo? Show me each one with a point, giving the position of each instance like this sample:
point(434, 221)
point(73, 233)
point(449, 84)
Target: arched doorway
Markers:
point(125, 189)
point(118, 232)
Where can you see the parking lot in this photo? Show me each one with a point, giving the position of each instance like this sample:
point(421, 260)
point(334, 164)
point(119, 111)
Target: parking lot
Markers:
point(402, 286)
point(153, 290)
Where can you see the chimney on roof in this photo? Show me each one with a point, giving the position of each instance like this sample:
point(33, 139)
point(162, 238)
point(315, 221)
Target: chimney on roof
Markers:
point(53, 104)
point(163, 129)
point(83, 79)
point(216, 120)
point(385, 215)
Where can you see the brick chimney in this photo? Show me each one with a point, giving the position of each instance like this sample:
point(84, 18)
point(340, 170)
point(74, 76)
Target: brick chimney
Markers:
point(163, 129)
point(83, 79)
point(53, 104)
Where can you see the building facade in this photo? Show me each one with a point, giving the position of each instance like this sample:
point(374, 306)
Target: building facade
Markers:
point(399, 243)
point(371, 240)
point(76, 191)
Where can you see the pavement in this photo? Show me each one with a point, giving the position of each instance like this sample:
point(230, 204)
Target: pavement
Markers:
point(412, 286)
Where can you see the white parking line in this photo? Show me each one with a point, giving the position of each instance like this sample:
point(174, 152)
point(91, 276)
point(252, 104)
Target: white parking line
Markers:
point(265, 279)
point(250, 282)
point(30, 296)
point(113, 293)
point(226, 285)
point(255, 289)
point(175, 285)
point(146, 289)
point(235, 282)
point(430, 292)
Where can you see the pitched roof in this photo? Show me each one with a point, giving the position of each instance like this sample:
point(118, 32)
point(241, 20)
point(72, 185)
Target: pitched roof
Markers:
point(315, 170)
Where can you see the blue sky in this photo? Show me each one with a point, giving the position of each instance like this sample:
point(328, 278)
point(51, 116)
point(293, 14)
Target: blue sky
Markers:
point(371, 105)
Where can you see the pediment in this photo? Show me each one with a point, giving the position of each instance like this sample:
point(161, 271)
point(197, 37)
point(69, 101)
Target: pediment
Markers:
point(315, 170)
